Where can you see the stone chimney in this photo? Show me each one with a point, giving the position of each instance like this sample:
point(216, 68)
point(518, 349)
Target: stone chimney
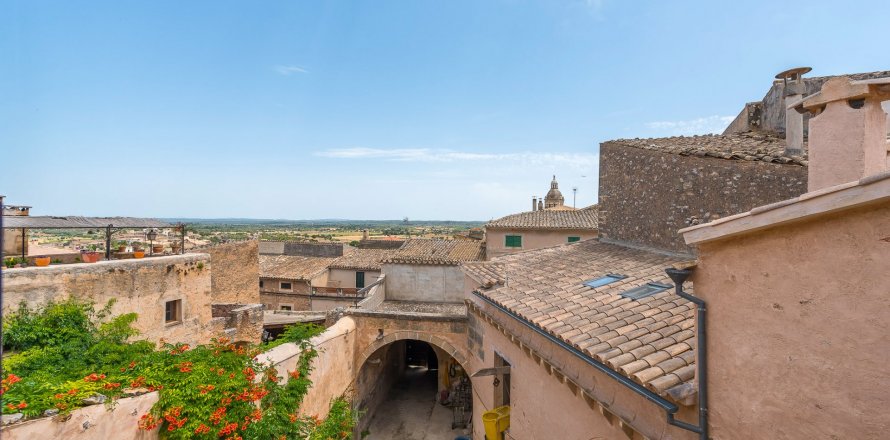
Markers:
point(793, 91)
point(364, 234)
point(540, 204)
point(534, 203)
point(848, 131)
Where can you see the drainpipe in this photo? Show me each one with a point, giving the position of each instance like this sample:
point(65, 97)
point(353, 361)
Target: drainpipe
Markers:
point(2, 260)
point(679, 276)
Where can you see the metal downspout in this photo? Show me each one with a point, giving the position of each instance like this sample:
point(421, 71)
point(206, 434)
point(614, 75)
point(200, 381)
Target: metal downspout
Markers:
point(679, 276)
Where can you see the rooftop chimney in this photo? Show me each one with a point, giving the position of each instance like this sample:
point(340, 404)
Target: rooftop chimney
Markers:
point(534, 203)
point(793, 93)
point(540, 204)
point(848, 131)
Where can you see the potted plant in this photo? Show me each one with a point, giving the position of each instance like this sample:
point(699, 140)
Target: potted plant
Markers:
point(157, 249)
point(121, 246)
point(90, 256)
point(138, 252)
point(42, 261)
point(176, 246)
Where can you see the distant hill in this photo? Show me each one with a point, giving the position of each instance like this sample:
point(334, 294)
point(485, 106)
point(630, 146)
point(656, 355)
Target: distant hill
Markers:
point(318, 222)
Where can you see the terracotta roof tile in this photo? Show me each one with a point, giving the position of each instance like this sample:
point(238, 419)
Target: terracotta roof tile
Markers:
point(363, 259)
point(435, 251)
point(750, 146)
point(288, 267)
point(650, 340)
point(586, 218)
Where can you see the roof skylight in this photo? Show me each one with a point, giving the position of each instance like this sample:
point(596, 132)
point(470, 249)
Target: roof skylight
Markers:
point(645, 290)
point(602, 281)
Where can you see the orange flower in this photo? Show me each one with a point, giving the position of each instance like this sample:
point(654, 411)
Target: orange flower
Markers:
point(202, 429)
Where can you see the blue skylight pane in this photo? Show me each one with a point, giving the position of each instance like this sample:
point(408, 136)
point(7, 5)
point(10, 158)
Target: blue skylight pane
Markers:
point(645, 290)
point(602, 281)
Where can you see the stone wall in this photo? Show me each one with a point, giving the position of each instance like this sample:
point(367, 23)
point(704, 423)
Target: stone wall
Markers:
point(142, 286)
point(235, 278)
point(274, 301)
point(647, 196)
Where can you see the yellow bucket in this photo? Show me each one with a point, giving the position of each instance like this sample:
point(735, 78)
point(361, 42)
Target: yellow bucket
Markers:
point(496, 421)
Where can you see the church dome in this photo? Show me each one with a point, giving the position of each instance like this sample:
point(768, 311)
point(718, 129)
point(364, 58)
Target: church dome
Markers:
point(554, 197)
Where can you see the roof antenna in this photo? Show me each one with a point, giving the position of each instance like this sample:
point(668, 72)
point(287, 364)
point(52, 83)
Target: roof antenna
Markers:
point(574, 195)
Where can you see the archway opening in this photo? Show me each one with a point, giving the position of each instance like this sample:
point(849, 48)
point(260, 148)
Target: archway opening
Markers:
point(412, 389)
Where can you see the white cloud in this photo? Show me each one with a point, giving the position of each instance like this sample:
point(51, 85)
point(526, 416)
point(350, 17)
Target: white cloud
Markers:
point(705, 125)
point(290, 70)
point(573, 160)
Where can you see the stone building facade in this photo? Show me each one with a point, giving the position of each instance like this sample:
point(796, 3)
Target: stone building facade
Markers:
point(651, 188)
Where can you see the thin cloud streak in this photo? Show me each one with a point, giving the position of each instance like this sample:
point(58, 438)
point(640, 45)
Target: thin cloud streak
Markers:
point(706, 125)
point(576, 160)
point(290, 70)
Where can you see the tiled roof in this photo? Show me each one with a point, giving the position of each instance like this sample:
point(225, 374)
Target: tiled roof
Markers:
point(288, 267)
point(749, 145)
point(434, 251)
point(586, 218)
point(650, 340)
point(362, 259)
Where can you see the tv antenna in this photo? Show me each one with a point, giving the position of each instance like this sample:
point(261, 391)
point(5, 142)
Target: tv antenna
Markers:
point(574, 196)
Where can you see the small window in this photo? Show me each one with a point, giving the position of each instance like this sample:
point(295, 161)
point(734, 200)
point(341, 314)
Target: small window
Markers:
point(173, 311)
point(359, 280)
point(602, 281)
point(261, 284)
point(574, 239)
point(288, 308)
point(645, 290)
point(513, 241)
point(286, 286)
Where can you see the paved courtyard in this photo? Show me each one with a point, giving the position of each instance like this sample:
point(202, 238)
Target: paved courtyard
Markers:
point(410, 411)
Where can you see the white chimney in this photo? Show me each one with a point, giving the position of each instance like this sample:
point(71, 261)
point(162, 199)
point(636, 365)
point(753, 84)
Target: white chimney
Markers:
point(848, 131)
point(794, 88)
point(534, 203)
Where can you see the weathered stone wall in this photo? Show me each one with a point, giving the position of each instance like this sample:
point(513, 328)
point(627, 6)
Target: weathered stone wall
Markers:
point(647, 196)
point(142, 286)
point(274, 301)
point(424, 282)
point(235, 278)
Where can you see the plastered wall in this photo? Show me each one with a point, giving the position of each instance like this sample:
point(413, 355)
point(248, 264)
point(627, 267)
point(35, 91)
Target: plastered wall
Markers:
point(495, 239)
point(799, 340)
point(418, 282)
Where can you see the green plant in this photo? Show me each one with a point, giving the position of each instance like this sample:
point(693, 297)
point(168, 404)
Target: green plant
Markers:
point(67, 351)
point(56, 261)
point(200, 265)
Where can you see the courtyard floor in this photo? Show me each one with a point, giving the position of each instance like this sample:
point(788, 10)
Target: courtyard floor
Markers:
point(410, 411)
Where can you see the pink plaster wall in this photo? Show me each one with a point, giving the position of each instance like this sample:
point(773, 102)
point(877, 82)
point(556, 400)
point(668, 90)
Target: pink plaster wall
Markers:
point(799, 329)
point(546, 407)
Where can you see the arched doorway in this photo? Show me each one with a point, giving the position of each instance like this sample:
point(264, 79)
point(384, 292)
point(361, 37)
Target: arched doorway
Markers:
point(412, 389)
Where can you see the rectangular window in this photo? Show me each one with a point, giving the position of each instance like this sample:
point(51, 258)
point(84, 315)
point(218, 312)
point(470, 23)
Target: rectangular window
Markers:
point(359, 280)
point(645, 290)
point(286, 286)
point(602, 281)
point(513, 241)
point(574, 239)
point(286, 308)
point(261, 284)
point(173, 311)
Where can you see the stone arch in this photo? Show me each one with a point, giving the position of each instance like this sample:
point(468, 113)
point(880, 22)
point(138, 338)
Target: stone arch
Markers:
point(401, 335)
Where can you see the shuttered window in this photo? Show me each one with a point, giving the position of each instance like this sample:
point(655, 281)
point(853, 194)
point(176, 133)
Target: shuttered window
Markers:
point(574, 239)
point(513, 241)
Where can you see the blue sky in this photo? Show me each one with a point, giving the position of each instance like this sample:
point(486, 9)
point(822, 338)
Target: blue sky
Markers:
point(377, 109)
